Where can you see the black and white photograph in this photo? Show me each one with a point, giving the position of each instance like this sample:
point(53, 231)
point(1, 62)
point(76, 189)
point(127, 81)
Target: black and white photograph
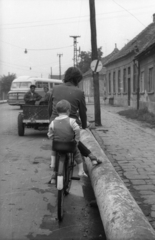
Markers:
point(77, 120)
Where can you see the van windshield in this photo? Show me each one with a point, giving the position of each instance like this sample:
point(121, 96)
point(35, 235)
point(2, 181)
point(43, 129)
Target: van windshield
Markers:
point(17, 85)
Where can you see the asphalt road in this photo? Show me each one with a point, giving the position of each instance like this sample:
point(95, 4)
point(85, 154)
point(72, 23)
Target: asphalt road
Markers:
point(27, 202)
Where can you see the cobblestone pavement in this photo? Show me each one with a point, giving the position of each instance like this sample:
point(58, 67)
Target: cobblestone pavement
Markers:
point(130, 146)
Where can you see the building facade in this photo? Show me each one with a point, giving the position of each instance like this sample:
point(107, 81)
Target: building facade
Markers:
point(126, 79)
point(146, 77)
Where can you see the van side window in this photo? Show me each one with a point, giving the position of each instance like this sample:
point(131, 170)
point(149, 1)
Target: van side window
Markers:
point(45, 84)
point(39, 84)
point(15, 85)
point(25, 84)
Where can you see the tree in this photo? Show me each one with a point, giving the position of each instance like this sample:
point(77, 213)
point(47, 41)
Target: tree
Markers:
point(85, 59)
point(6, 82)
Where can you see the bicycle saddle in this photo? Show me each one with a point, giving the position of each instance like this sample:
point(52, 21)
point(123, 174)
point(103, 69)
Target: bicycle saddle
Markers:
point(64, 146)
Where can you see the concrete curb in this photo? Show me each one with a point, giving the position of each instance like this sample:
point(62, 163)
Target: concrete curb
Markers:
point(121, 216)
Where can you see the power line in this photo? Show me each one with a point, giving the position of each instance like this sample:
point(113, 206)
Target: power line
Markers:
point(50, 24)
point(44, 49)
point(129, 13)
point(104, 13)
point(36, 48)
point(11, 44)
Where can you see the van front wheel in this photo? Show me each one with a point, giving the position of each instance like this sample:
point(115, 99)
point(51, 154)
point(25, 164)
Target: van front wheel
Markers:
point(21, 127)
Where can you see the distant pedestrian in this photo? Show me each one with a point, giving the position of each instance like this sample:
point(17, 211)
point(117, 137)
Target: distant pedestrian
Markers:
point(31, 96)
point(46, 97)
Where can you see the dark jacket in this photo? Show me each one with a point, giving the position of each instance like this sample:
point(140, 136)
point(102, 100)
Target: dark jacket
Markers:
point(72, 94)
point(31, 99)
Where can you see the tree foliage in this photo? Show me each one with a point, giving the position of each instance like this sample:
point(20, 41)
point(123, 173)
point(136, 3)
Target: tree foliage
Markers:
point(6, 82)
point(85, 59)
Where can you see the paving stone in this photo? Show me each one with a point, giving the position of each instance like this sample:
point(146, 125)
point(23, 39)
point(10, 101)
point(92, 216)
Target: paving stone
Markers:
point(153, 224)
point(138, 182)
point(153, 207)
point(144, 187)
point(152, 177)
point(138, 176)
point(131, 171)
point(147, 192)
point(126, 180)
point(153, 214)
point(149, 201)
point(149, 197)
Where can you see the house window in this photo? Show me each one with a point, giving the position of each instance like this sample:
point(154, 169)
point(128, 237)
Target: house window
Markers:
point(114, 83)
point(119, 81)
point(109, 83)
point(135, 78)
point(124, 80)
point(142, 81)
point(129, 70)
point(150, 80)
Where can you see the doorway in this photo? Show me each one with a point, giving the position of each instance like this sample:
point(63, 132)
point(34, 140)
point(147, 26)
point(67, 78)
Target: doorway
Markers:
point(129, 91)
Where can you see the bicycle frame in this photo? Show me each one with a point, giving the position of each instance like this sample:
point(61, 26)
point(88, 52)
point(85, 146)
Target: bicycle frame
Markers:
point(64, 171)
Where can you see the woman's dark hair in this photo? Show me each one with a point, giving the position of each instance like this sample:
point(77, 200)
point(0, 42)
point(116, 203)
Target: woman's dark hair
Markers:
point(74, 75)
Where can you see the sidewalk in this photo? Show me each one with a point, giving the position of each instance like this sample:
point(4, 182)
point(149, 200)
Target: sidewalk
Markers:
point(130, 146)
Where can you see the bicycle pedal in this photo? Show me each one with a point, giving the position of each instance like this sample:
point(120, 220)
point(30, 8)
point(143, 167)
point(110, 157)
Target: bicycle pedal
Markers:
point(75, 178)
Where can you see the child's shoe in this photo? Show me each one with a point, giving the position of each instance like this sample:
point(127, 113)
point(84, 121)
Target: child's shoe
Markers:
point(94, 159)
point(53, 178)
point(82, 174)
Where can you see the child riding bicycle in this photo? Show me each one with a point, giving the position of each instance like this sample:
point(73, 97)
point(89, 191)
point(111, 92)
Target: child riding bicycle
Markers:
point(64, 128)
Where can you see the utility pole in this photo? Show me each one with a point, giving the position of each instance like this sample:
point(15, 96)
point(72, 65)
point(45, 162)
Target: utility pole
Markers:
point(95, 57)
point(60, 64)
point(51, 73)
point(75, 50)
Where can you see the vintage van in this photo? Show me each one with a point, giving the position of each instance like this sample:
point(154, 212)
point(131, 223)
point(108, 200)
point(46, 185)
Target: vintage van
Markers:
point(22, 84)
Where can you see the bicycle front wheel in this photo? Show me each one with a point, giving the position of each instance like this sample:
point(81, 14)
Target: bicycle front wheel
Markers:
point(60, 187)
point(60, 204)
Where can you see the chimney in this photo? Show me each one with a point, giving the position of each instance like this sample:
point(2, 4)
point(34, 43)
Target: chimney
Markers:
point(115, 45)
point(154, 18)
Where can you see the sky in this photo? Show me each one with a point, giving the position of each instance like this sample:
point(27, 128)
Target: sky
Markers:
point(45, 27)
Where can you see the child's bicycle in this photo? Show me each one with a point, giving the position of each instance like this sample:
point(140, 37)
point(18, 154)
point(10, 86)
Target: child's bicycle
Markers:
point(64, 171)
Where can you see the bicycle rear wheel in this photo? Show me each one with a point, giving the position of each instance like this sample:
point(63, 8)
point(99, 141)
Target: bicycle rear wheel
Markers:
point(68, 173)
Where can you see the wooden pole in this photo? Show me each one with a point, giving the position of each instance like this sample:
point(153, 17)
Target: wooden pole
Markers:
point(95, 57)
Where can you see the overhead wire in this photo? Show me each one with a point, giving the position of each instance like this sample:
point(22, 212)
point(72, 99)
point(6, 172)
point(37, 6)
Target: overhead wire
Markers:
point(104, 13)
point(70, 22)
point(129, 13)
point(35, 49)
point(44, 49)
